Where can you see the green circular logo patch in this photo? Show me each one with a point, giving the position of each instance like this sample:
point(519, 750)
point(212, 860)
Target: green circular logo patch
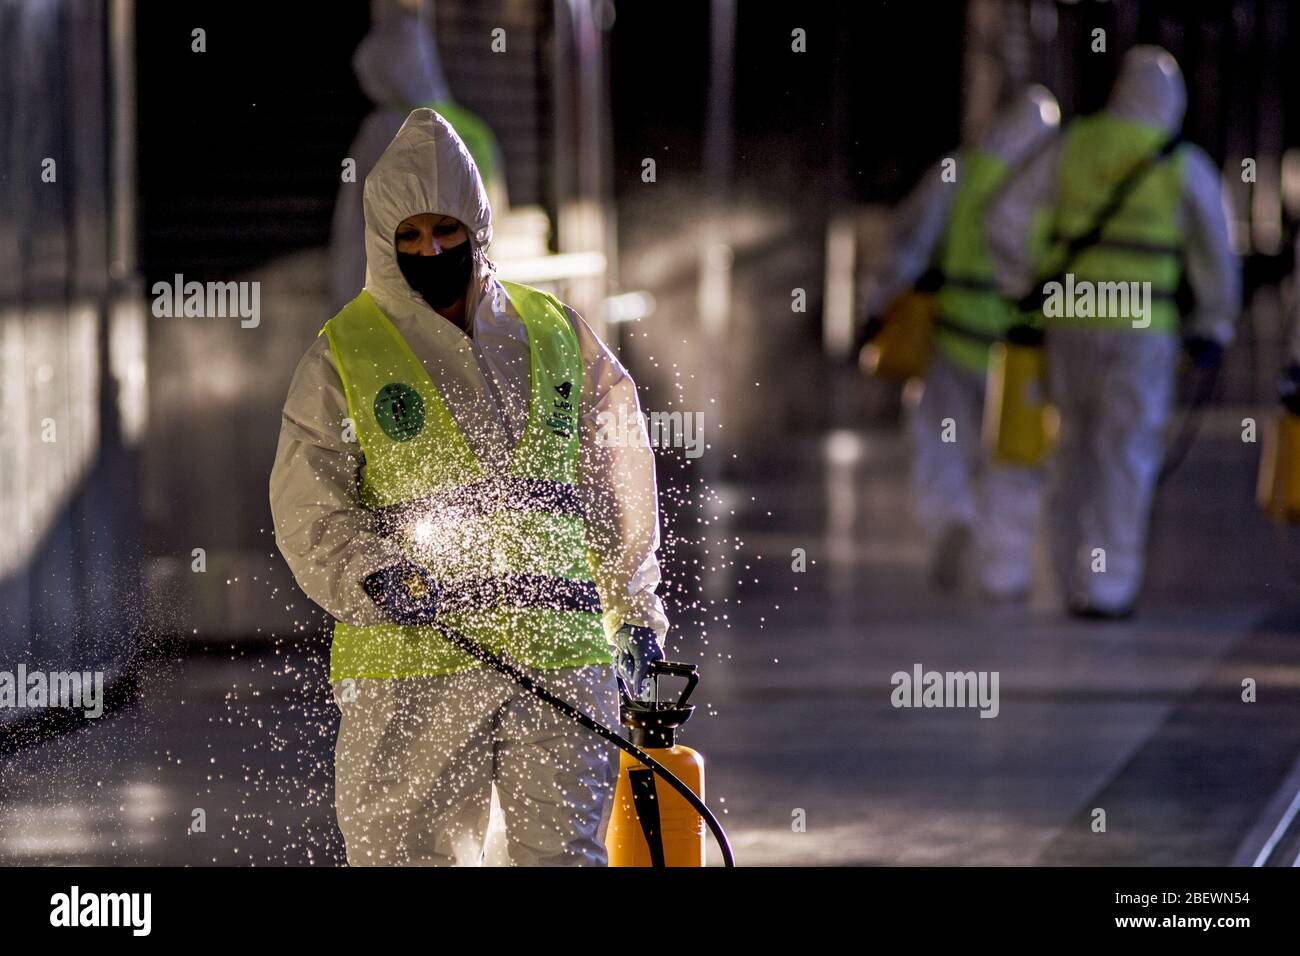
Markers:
point(399, 409)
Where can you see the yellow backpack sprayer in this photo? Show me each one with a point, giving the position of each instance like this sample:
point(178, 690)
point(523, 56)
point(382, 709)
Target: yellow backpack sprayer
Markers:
point(896, 347)
point(900, 349)
point(647, 828)
point(1279, 470)
point(1020, 424)
point(1278, 490)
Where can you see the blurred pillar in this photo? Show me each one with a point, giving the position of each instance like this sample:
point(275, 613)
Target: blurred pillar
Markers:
point(713, 294)
point(995, 48)
point(580, 119)
point(838, 308)
point(126, 346)
point(1266, 198)
point(719, 125)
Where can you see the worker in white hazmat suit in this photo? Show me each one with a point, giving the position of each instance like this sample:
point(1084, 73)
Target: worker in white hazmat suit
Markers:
point(398, 68)
point(960, 494)
point(1112, 327)
point(438, 463)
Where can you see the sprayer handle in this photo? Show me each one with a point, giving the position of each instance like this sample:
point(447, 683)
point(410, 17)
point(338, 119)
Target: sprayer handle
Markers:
point(680, 669)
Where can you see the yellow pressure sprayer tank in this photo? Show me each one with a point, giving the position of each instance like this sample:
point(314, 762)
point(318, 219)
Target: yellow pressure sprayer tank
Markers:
point(654, 825)
point(1020, 425)
point(646, 815)
point(1279, 470)
point(901, 350)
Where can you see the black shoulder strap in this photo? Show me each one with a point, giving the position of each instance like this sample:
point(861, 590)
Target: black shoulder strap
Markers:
point(1121, 192)
point(1092, 235)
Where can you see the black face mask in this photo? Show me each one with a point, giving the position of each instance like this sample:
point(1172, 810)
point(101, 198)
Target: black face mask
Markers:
point(440, 280)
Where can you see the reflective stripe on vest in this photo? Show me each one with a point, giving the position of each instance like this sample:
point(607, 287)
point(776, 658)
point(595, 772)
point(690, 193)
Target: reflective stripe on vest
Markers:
point(971, 312)
point(508, 551)
point(1143, 241)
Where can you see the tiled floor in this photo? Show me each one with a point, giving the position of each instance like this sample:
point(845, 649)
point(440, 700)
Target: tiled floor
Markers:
point(1142, 720)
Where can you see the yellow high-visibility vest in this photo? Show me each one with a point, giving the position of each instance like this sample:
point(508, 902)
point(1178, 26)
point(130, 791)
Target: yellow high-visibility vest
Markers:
point(1143, 241)
point(508, 551)
point(972, 312)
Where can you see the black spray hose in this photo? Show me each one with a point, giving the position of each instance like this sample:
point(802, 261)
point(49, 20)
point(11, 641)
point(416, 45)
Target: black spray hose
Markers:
point(1202, 392)
point(481, 653)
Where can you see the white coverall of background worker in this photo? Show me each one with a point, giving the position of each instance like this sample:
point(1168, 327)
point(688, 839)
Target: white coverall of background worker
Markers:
point(418, 757)
point(959, 493)
point(398, 68)
point(1112, 378)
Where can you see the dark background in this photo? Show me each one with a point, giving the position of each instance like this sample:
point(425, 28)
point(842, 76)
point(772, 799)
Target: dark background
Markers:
point(236, 169)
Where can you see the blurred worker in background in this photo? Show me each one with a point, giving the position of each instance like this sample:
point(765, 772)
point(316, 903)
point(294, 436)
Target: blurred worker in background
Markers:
point(438, 464)
point(398, 68)
point(961, 496)
point(1112, 376)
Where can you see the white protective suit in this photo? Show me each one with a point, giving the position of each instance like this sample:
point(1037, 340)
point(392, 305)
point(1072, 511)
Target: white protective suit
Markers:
point(1114, 388)
point(957, 491)
point(398, 68)
point(387, 763)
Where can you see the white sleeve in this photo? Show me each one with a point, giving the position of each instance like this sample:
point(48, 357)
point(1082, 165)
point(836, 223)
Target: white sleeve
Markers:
point(619, 490)
point(917, 228)
point(325, 534)
point(1213, 269)
point(1009, 223)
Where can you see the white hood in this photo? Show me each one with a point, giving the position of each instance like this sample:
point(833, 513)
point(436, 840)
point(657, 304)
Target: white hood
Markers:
point(425, 169)
point(1022, 125)
point(1149, 89)
point(397, 64)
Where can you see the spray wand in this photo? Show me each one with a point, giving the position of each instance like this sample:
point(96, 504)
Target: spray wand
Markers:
point(524, 680)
